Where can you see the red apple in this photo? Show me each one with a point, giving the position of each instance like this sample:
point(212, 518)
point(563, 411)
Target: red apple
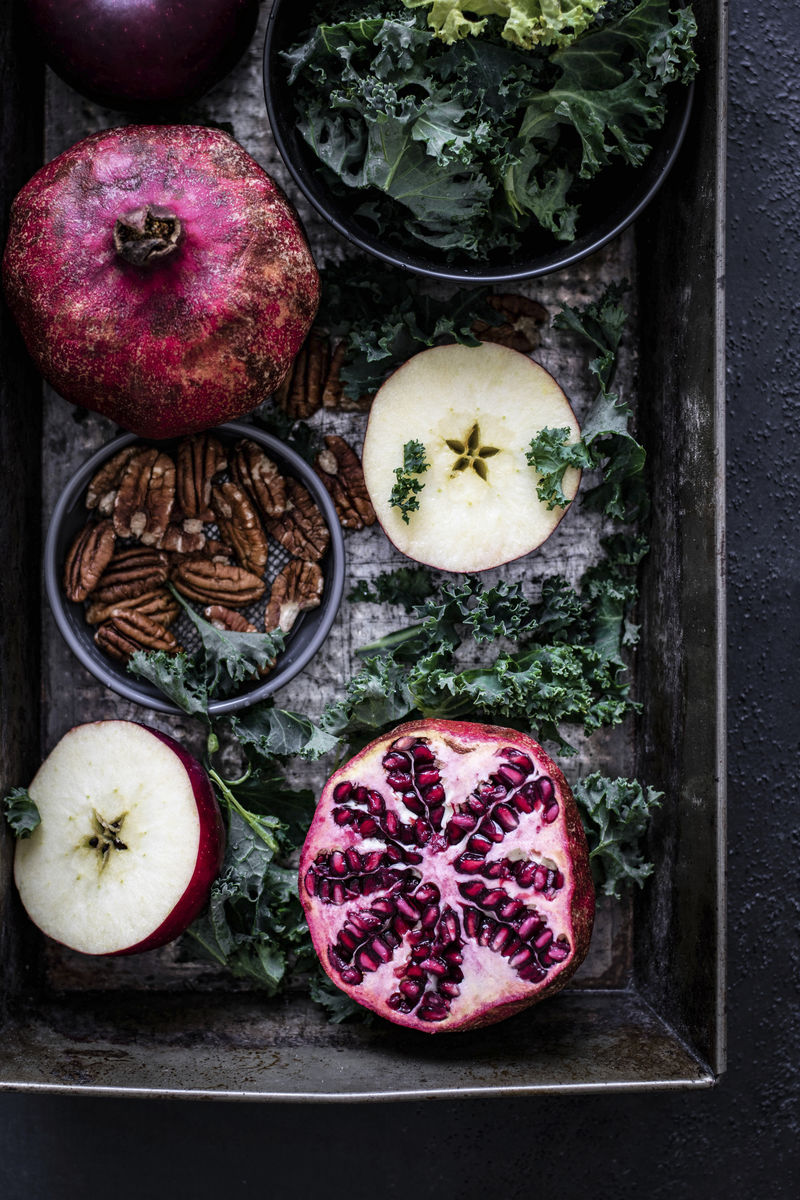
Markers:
point(130, 840)
point(134, 53)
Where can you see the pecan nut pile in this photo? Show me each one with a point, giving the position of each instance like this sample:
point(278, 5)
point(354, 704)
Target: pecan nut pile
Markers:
point(154, 517)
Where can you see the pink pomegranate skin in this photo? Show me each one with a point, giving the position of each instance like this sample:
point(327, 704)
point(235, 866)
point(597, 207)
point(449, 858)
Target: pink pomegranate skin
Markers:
point(159, 277)
point(445, 876)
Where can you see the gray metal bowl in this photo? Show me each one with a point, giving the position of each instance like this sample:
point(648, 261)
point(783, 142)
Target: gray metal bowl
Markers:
point(302, 643)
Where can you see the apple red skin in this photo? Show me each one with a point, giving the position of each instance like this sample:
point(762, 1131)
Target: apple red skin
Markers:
point(184, 342)
point(209, 854)
point(582, 906)
point(142, 53)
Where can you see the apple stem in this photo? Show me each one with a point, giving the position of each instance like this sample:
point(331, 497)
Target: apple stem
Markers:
point(146, 235)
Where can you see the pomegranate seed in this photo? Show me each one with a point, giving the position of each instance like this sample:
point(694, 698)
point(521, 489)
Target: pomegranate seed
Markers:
point(558, 881)
point(479, 844)
point(342, 792)
point(525, 798)
point(395, 762)
point(506, 817)
point(518, 758)
point(437, 815)
point(511, 775)
point(501, 937)
point(470, 864)
point(366, 961)
point(360, 795)
point(488, 930)
point(490, 829)
point(364, 921)
point(422, 753)
point(510, 910)
point(529, 926)
point(540, 879)
point(400, 926)
point(421, 951)
point(415, 971)
point(471, 921)
point(464, 820)
point(472, 890)
point(521, 958)
point(456, 974)
point(368, 885)
point(454, 957)
point(342, 816)
point(376, 804)
point(410, 988)
point(336, 960)
point(351, 975)
point(496, 870)
point(374, 858)
point(337, 863)
point(399, 780)
point(430, 916)
point(368, 826)
point(422, 831)
point(428, 893)
point(550, 814)
point(413, 803)
point(405, 743)
point(450, 989)
point(474, 804)
point(431, 1014)
point(526, 873)
point(353, 859)
point(543, 939)
point(427, 777)
point(391, 823)
point(493, 898)
point(545, 790)
point(558, 952)
point(435, 966)
point(380, 949)
point(324, 891)
point(413, 858)
point(434, 794)
point(511, 947)
point(449, 926)
point(337, 894)
point(395, 1002)
point(391, 938)
point(534, 972)
point(310, 882)
point(407, 909)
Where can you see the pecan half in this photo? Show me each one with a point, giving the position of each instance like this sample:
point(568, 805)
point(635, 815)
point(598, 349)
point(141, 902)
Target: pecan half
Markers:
point(333, 394)
point(520, 328)
point(127, 632)
point(131, 572)
point(225, 618)
point(103, 487)
point(300, 394)
point(255, 471)
point(177, 540)
point(159, 605)
point(297, 588)
point(339, 468)
point(88, 557)
point(198, 459)
point(239, 524)
point(302, 529)
point(217, 583)
point(143, 505)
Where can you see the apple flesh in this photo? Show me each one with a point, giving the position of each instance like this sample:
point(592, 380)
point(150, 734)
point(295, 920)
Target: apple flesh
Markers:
point(475, 411)
point(130, 840)
point(142, 53)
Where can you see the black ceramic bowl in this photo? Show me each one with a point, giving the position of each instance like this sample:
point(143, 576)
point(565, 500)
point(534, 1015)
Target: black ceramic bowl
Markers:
point(302, 643)
point(608, 205)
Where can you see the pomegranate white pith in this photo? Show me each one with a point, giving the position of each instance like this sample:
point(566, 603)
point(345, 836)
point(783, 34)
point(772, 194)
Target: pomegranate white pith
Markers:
point(478, 508)
point(129, 843)
point(445, 876)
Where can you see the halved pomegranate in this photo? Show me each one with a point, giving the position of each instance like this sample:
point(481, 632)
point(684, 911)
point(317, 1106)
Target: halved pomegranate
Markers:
point(445, 876)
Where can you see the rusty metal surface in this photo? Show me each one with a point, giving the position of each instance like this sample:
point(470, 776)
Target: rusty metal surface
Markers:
point(595, 1035)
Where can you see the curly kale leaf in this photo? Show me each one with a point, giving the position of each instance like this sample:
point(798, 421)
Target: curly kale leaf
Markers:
point(178, 676)
point(385, 320)
point(21, 812)
point(527, 23)
point(550, 453)
point(405, 492)
point(269, 732)
point(615, 814)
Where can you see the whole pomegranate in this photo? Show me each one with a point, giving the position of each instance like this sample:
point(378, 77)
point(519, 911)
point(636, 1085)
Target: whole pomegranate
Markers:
point(445, 876)
point(159, 277)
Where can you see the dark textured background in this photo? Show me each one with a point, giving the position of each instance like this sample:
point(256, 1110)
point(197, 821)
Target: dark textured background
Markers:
point(739, 1140)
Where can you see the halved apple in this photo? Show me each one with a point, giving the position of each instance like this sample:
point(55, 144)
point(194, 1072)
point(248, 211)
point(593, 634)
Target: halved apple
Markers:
point(130, 840)
point(475, 411)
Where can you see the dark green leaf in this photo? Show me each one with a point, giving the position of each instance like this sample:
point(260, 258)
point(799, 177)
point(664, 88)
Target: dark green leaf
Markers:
point(616, 813)
point(408, 486)
point(406, 585)
point(21, 812)
point(272, 732)
point(176, 675)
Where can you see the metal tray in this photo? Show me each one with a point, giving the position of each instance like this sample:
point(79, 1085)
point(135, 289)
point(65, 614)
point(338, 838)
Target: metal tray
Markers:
point(646, 1009)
